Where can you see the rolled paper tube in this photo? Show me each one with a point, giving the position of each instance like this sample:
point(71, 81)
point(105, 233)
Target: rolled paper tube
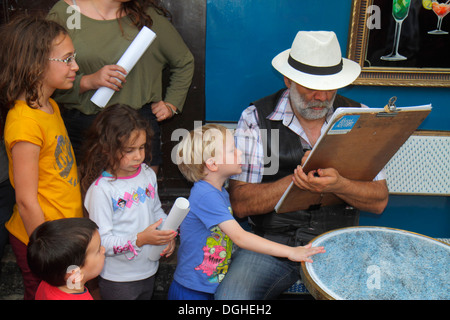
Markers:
point(176, 215)
point(128, 60)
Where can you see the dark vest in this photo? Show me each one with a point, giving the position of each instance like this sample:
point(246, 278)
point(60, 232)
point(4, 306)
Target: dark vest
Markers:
point(298, 227)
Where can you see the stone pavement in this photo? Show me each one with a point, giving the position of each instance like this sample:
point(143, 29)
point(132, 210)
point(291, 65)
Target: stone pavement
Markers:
point(11, 286)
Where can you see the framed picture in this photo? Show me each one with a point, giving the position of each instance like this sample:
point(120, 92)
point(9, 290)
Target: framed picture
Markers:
point(401, 42)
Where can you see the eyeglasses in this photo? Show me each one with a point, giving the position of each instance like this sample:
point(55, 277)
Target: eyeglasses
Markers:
point(67, 60)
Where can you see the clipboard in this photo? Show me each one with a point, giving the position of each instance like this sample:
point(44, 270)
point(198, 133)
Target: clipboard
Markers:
point(358, 143)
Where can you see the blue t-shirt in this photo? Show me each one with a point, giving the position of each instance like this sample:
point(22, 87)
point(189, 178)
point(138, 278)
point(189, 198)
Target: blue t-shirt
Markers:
point(204, 251)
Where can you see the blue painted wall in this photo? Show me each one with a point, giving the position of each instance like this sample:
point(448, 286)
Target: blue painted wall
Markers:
point(242, 37)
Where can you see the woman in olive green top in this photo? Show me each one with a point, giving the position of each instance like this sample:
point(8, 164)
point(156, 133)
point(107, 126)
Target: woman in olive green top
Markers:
point(101, 31)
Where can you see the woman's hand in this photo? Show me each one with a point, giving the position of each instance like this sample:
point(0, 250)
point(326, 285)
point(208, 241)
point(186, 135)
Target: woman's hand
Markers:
point(111, 76)
point(163, 110)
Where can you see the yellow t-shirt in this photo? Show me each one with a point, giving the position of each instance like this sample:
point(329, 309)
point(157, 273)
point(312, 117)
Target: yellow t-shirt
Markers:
point(58, 188)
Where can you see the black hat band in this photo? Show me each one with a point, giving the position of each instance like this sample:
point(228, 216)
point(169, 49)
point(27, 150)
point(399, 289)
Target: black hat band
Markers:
point(320, 71)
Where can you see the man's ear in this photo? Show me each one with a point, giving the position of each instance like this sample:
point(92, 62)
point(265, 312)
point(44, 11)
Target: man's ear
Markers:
point(211, 164)
point(287, 82)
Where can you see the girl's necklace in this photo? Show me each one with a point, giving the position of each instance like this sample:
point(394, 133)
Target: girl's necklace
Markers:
point(98, 12)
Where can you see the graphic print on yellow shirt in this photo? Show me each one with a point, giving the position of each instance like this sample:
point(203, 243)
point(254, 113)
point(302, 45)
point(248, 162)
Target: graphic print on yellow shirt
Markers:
point(65, 160)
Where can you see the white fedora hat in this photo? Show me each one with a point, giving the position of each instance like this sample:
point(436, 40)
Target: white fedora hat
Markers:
point(315, 62)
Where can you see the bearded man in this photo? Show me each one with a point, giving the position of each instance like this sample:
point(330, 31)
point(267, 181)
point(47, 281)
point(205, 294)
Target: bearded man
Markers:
point(274, 134)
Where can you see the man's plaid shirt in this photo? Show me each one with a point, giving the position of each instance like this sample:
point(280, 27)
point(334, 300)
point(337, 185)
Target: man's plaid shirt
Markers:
point(248, 138)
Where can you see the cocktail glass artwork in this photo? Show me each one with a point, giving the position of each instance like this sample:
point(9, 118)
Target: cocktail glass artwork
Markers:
point(400, 10)
point(441, 10)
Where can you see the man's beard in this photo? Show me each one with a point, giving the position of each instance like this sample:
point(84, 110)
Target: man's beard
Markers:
point(305, 109)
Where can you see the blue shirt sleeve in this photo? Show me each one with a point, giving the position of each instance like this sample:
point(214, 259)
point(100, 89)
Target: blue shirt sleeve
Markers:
point(210, 205)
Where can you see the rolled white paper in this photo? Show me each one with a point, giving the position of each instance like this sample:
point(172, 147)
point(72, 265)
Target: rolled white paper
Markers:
point(130, 57)
point(176, 215)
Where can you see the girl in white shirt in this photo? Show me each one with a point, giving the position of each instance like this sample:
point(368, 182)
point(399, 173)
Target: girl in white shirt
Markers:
point(122, 198)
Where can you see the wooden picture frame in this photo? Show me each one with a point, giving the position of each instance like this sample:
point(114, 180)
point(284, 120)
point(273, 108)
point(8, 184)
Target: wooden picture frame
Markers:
point(371, 24)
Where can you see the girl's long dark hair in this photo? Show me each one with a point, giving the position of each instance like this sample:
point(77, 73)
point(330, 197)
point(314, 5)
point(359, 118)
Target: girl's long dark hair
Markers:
point(106, 139)
point(26, 43)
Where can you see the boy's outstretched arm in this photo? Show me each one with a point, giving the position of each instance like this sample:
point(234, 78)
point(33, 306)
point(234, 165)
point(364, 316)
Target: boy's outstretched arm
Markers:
point(250, 241)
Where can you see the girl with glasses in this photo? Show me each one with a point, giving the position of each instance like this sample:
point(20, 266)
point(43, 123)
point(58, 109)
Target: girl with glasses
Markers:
point(37, 60)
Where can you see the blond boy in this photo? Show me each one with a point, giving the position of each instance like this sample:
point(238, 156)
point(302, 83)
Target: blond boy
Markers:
point(207, 156)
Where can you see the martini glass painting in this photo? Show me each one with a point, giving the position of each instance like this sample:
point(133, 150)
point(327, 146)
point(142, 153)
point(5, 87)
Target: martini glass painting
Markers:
point(400, 10)
point(441, 10)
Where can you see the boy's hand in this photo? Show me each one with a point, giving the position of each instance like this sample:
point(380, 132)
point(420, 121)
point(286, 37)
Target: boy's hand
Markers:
point(299, 254)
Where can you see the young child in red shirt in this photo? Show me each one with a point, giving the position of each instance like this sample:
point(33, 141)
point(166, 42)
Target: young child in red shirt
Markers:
point(65, 254)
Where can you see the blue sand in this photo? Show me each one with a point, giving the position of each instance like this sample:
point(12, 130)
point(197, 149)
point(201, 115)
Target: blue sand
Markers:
point(381, 264)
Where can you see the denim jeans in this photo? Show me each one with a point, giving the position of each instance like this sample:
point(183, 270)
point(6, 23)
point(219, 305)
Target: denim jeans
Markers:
point(256, 276)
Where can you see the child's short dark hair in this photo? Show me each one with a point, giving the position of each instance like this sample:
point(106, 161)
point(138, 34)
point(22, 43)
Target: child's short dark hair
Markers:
point(56, 245)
